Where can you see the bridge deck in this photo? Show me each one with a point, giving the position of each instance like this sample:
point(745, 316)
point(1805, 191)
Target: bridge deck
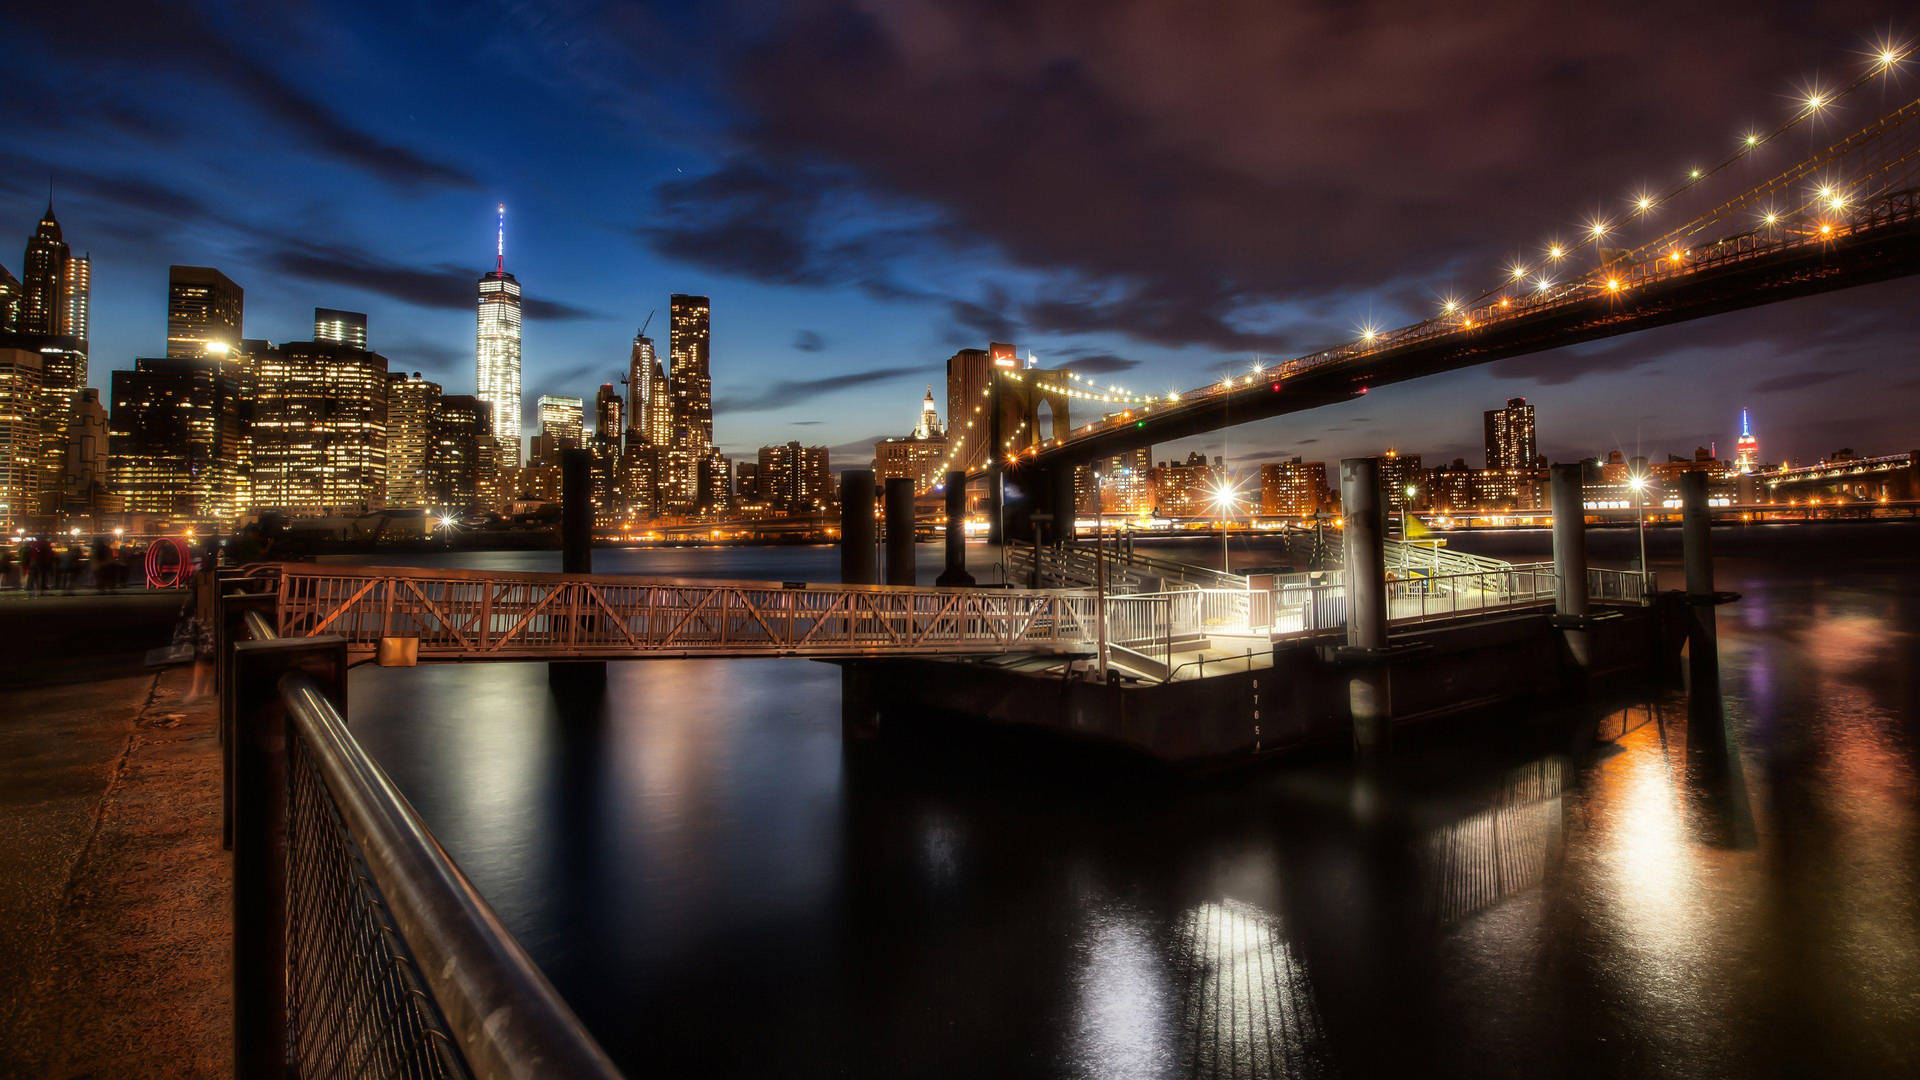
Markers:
point(484, 615)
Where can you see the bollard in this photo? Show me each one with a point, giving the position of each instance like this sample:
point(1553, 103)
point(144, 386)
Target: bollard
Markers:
point(955, 575)
point(899, 511)
point(1369, 686)
point(857, 562)
point(229, 630)
point(576, 512)
point(576, 678)
point(1571, 603)
point(1705, 714)
point(260, 838)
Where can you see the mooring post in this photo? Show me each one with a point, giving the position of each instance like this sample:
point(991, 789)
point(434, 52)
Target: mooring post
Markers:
point(955, 575)
point(857, 562)
point(1703, 631)
point(859, 707)
point(260, 838)
point(1570, 604)
point(899, 512)
point(576, 677)
point(1369, 686)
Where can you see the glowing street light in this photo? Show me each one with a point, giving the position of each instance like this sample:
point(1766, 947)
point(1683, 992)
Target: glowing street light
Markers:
point(1225, 496)
point(1638, 483)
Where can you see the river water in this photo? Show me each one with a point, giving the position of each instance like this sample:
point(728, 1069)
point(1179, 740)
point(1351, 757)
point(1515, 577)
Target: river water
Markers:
point(1577, 889)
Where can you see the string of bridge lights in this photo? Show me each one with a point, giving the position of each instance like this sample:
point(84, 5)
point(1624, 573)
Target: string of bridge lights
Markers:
point(1825, 197)
point(1644, 204)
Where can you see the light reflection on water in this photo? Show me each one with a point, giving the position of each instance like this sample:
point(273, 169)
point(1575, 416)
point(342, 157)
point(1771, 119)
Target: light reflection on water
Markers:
point(720, 888)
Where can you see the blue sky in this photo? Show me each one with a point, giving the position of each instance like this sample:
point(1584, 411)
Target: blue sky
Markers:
point(861, 189)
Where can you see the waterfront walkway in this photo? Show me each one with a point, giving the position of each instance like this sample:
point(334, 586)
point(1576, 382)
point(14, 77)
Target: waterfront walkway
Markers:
point(114, 902)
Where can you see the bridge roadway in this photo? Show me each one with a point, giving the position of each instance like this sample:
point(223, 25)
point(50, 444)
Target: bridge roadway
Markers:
point(1880, 242)
point(486, 615)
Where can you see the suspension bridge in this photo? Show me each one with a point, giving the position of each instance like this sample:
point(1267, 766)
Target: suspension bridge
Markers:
point(1845, 214)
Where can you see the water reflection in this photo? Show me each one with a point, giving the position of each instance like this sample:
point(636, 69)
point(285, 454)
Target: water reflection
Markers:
point(1682, 885)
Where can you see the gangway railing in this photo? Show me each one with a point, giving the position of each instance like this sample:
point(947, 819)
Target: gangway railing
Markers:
point(360, 949)
point(476, 615)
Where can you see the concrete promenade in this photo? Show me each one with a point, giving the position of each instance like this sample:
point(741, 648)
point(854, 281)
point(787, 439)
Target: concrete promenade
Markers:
point(114, 902)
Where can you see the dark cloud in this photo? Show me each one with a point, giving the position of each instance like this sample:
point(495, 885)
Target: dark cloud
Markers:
point(1562, 366)
point(1100, 364)
point(807, 423)
point(786, 392)
point(808, 341)
point(442, 285)
point(859, 449)
point(182, 40)
point(1798, 380)
point(987, 319)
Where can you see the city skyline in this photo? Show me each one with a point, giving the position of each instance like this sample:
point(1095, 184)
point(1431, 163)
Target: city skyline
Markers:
point(853, 319)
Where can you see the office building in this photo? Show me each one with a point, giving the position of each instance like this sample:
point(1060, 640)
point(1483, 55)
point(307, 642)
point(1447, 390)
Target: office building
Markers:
point(1185, 489)
point(795, 479)
point(691, 386)
point(1293, 488)
point(21, 403)
point(9, 301)
point(83, 475)
point(319, 430)
point(562, 426)
point(43, 279)
point(411, 401)
point(1510, 436)
point(175, 441)
point(917, 456)
point(497, 349)
point(343, 327)
point(609, 415)
point(1122, 484)
point(76, 300)
point(204, 309)
point(463, 464)
point(654, 420)
point(968, 374)
point(1398, 473)
point(1746, 449)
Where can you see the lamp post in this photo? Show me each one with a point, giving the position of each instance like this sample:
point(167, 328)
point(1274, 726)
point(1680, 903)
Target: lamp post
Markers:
point(1225, 496)
point(1404, 505)
point(1639, 486)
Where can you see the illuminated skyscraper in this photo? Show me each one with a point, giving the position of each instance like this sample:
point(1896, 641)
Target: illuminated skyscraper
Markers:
point(968, 372)
point(463, 471)
point(497, 349)
point(1510, 438)
point(204, 309)
point(411, 401)
point(692, 382)
point(176, 440)
point(649, 412)
point(345, 327)
point(73, 304)
point(561, 421)
point(20, 431)
point(43, 276)
point(319, 432)
point(608, 424)
point(9, 301)
point(1747, 448)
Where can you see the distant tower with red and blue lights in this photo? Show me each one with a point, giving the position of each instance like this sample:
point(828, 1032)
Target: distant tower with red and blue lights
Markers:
point(1746, 451)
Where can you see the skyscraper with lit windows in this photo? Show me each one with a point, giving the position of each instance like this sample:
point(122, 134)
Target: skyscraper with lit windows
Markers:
point(1511, 443)
point(497, 348)
point(689, 321)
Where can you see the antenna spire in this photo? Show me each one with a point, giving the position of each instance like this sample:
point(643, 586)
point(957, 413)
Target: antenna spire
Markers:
point(1745, 429)
point(500, 242)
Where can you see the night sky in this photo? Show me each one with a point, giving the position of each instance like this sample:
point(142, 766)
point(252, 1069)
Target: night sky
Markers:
point(1146, 190)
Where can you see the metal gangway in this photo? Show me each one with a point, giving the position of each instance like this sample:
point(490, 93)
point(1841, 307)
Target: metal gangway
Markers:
point(483, 615)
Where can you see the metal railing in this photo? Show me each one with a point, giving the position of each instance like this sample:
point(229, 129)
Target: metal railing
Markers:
point(1630, 586)
point(1076, 565)
point(360, 949)
point(458, 614)
point(1427, 597)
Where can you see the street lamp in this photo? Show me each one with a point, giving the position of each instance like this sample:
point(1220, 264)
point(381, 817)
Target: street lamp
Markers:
point(1407, 502)
point(1639, 486)
point(1225, 496)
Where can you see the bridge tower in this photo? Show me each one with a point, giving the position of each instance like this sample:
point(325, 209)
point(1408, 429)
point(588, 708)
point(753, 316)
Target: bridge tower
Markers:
point(1017, 490)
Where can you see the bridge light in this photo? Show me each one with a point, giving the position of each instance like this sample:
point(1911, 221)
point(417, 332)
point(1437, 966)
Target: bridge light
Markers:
point(1815, 101)
point(1544, 284)
point(1693, 174)
point(1889, 57)
point(1753, 140)
point(1643, 203)
point(1837, 202)
point(1826, 192)
point(1451, 306)
point(1613, 284)
point(1598, 229)
point(1556, 252)
point(1519, 271)
point(1772, 218)
point(1504, 302)
point(1368, 333)
point(1826, 229)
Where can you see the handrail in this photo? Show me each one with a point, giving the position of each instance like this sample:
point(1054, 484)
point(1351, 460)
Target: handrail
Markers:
point(507, 1018)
